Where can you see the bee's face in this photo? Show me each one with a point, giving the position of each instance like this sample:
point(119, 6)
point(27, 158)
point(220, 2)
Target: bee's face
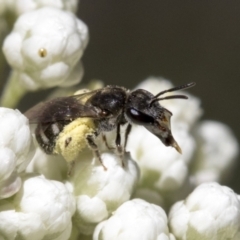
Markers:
point(155, 118)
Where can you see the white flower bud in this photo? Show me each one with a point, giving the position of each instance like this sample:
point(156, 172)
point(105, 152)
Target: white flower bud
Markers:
point(170, 169)
point(99, 192)
point(135, 219)
point(45, 47)
point(21, 6)
point(16, 8)
point(10, 186)
point(53, 167)
point(15, 154)
point(216, 153)
point(42, 209)
point(210, 212)
point(14, 223)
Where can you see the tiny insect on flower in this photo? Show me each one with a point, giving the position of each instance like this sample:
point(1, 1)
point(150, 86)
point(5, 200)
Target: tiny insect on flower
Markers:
point(66, 125)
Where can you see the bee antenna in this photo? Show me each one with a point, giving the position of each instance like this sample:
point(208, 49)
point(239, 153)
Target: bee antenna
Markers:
point(185, 86)
point(169, 97)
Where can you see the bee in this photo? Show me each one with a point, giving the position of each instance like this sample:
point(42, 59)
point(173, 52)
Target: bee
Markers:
point(66, 125)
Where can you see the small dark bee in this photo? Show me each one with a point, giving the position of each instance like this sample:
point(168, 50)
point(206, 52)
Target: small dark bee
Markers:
point(66, 125)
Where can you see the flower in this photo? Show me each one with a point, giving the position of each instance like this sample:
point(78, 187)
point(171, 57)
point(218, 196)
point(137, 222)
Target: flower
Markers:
point(81, 190)
point(15, 151)
point(135, 219)
point(216, 153)
point(48, 44)
point(42, 209)
point(44, 49)
point(99, 192)
point(21, 6)
point(211, 212)
point(53, 167)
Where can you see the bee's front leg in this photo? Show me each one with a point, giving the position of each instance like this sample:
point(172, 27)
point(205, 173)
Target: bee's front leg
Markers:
point(106, 143)
point(91, 143)
point(118, 144)
point(127, 132)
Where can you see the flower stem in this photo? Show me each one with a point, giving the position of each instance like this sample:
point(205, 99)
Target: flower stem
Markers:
point(13, 92)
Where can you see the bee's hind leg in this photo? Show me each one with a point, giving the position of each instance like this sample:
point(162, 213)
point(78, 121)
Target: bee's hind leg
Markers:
point(91, 143)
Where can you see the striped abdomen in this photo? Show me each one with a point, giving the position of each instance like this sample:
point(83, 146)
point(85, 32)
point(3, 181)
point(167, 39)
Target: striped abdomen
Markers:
point(47, 133)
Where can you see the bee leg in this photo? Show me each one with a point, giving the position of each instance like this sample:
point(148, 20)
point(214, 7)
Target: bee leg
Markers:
point(118, 144)
point(71, 166)
point(128, 130)
point(94, 147)
point(106, 143)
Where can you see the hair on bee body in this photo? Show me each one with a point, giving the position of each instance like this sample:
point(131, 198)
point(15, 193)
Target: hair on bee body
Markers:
point(66, 125)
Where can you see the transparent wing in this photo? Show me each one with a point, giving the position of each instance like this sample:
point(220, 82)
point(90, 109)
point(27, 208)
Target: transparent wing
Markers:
point(64, 108)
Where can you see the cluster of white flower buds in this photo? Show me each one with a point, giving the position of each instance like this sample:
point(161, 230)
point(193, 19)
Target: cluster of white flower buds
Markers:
point(152, 192)
point(15, 153)
point(44, 48)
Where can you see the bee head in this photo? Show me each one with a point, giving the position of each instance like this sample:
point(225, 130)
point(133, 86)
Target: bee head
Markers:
point(143, 108)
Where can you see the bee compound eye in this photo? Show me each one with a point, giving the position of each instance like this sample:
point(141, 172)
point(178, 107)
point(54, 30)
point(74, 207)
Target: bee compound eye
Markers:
point(139, 117)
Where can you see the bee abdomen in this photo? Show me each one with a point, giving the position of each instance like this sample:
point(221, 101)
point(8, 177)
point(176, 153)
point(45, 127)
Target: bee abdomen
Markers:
point(47, 133)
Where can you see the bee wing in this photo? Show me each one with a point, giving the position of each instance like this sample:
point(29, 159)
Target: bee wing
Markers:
point(64, 108)
point(34, 113)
